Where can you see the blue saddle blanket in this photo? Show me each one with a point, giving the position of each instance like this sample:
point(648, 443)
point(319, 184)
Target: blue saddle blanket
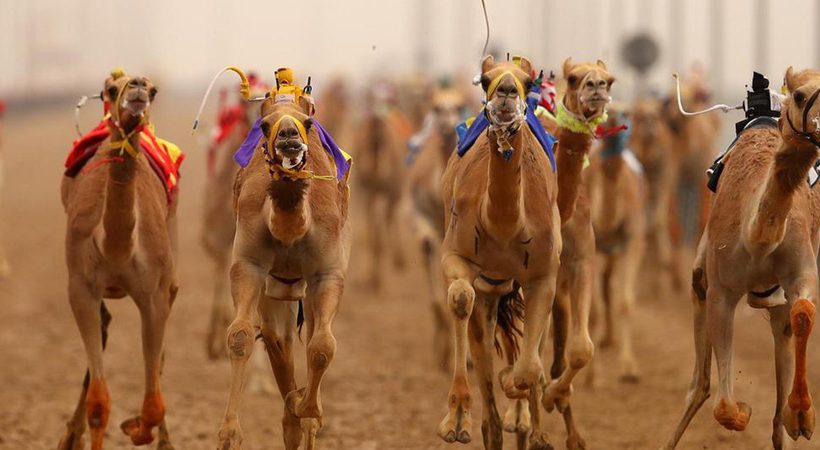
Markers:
point(481, 123)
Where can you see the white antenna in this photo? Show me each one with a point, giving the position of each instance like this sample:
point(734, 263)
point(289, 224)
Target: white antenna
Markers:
point(720, 106)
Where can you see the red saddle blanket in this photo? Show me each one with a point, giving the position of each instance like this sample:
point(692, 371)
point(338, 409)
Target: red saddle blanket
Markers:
point(164, 157)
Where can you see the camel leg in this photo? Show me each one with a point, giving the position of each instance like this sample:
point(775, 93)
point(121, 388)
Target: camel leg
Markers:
point(784, 367)
point(154, 312)
point(699, 386)
point(247, 283)
point(164, 438)
point(539, 437)
point(460, 299)
point(798, 413)
point(320, 307)
point(375, 237)
point(221, 313)
point(517, 417)
point(442, 334)
point(538, 298)
point(720, 313)
point(75, 428)
point(87, 306)
point(481, 337)
point(622, 304)
point(395, 203)
point(278, 328)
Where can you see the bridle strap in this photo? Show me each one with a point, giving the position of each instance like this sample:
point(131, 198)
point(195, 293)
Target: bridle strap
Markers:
point(805, 134)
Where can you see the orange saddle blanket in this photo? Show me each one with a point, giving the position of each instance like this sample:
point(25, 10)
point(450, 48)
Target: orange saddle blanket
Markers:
point(164, 157)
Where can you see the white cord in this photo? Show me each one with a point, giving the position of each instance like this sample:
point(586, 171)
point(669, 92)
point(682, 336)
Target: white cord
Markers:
point(720, 106)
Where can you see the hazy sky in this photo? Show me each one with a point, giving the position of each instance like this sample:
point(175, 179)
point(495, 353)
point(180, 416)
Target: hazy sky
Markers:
point(70, 45)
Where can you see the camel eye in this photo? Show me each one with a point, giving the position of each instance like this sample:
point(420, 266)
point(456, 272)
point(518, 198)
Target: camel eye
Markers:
point(799, 98)
point(112, 92)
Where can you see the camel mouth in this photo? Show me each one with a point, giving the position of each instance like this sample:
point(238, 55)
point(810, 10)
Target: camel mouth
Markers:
point(292, 156)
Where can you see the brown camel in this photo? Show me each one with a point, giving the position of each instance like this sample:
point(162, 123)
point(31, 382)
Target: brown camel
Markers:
point(616, 192)
point(5, 268)
point(502, 226)
point(583, 107)
point(653, 143)
point(291, 250)
point(380, 144)
point(762, 237)
point(424, 192)
point(121, 232)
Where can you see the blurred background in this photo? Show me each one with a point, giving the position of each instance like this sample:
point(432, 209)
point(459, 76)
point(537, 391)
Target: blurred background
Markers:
point(385, 389)
point(62, 46)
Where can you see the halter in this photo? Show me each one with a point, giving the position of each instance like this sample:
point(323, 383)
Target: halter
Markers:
point(497, 80)
point(578, 124)
point(804, 134)
point(124, 145)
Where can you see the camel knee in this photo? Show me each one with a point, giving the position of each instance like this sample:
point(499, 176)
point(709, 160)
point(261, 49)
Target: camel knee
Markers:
point(802, 317)
point(153, 409)
point(321, 350)
point(240, 339)
point(580, 352)
point(460, 299)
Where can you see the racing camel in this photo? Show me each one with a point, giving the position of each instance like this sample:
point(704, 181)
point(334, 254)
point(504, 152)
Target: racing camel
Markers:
point(121, 232)
point(424, 191)
point(502, 226)
point(761, 241)
point(578, 115)
point(5, 269)
point(291, 252)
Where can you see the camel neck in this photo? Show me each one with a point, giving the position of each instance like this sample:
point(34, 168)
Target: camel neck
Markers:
point(290, 214)
point(573, 149)
point(119, 212)
point(448, 144)
point(502, 204)
point(790, 168)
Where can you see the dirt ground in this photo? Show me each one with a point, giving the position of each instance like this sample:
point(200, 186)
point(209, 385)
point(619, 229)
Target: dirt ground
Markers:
point(382, 391)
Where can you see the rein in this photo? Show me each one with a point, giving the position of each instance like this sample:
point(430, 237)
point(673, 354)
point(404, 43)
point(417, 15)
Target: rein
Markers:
point(804, 134)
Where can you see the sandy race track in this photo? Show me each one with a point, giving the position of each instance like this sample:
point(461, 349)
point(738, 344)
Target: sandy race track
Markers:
point(382, 391)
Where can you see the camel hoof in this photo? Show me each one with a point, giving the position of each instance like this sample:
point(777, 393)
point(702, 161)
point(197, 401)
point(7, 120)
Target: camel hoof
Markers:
point(230, 439)
point(555, 396)
point(539, 441)
point(733, 417)
point(517, 418)
point(134, 429)
point(798, 422)
point(456, 427)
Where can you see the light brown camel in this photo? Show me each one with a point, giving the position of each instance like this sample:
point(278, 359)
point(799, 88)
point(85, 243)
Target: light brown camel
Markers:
point(120, 241)
point(762, 233)
point(501, 225)
point(291, 248)
point(583, 107)
point(616, 192)
point(5, 268)
point(424, 191)
point(219, 227)
point(652, 142)
point(380, 146)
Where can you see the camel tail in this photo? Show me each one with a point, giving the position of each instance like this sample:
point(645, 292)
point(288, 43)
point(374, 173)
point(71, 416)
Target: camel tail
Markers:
point(510, 316)
point(300, 319)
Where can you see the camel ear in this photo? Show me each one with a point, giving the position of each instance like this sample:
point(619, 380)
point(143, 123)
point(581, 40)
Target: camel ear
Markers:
point(525, 65)
point(601, 64)
point(790, 79)
point(308, 124)
point(487, 63)
point(568, 65)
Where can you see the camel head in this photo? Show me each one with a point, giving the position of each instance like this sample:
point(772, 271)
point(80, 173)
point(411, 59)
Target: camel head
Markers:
point(588, 86)
point(286, 126)
point(800, 116)
point(447, 105)
point(646, 122)
point(130, 99)
point(506, 85)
